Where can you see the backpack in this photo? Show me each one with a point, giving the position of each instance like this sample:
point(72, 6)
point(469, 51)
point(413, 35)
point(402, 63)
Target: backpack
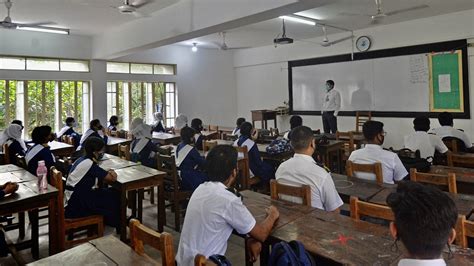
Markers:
point(220, 260)
point(290, 254)
point(278, 146)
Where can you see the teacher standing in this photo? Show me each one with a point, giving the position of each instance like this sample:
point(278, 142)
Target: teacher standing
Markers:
point(331, 106)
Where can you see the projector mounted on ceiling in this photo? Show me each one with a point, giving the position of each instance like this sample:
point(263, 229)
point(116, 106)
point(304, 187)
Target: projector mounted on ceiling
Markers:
point(283, 39)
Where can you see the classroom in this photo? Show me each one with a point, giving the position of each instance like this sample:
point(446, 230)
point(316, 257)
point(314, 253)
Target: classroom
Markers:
point(235, 132)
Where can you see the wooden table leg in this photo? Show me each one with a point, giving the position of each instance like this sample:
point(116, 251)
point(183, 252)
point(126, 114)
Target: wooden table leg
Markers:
point(161, 207)
point(53, 227)
point(139, 209)
point(265, 254)
point(33, 215)
point(123, 214)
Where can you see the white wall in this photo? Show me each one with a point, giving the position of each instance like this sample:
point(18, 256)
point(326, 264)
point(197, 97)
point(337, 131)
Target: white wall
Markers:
point(263, 71)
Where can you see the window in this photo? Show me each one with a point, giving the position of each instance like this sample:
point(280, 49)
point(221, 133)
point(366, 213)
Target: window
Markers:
point(141, 69)
point(12, 63)
point(129, 100)
point(42, 64)
point(132, 68)
point(164, 69)
point(45, 64)
point(115, 67)
point(74, 65)
point(44, 102)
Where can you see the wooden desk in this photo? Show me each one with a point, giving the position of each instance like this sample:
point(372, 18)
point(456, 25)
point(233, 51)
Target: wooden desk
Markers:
point(334, 146)
point(210, 135)
point(464, 177)
point(17, 176)
point(10, 168)
point(29, 198)
point(166, 138)
point(107, 250)
point(264, 116)
point(59, 149)
point(113, 142)
point(135, 178)
point(347, 187)
point(114, 162)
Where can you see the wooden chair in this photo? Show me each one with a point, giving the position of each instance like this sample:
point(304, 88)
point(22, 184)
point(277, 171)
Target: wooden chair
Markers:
point(359, 208)
point(464, 229)
point(122, 134)
point(6, 154)
point(361, 118)
point(201, 260)
point(68, 140)
point(246, 181)
point(124, 152)
point(67, 227)
point(454, 144)
point(21, 161)
point(213, 128)
point(141, 235)
point(375, 168)
point(208, 145)
point(435, 179)
point(303, 192)
point(349, 144)
point(460, 160)
point(173, 192)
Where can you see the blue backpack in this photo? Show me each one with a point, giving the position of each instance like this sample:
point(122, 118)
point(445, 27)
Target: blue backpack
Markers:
point(290, 254)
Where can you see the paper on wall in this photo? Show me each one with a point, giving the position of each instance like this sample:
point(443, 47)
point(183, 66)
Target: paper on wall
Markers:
point(444, 83)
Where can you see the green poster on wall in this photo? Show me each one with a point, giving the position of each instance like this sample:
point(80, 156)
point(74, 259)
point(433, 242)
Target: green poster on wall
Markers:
point(446, 87)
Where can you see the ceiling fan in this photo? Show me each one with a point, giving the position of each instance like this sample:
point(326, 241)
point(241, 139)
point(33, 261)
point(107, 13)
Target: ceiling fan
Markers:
point(380, 14)
point(7, 22)
point(327, 43)
point(131, 7)
point(223, 45)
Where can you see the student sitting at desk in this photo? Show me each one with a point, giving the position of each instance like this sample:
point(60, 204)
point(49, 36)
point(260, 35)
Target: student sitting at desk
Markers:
point(189, 161)
point(180, 122)
point(215, 210)
point(446, 121)
point(68, 130)
point(236, 131)
point(158, 122)
point(81, 198)
point(257, 166)
point(425, 218)
point(93, 131)
point(16, 145)
point(5, 189)
point(426, 143)
point(40, 151)
point(196, 124)
point(113, 123)
point(392, 167)
point(303, 170)
point(295, 121)
point(142, 148)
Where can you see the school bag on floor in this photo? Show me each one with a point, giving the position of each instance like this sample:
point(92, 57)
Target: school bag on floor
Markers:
point(292, 253)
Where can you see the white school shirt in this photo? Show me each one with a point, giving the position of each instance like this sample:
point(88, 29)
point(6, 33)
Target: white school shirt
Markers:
point(425, 143)
point(211, 216)
point(392, 167)
point(447, 131)
point(414, 262)
point(303, 170)
point(332, 101)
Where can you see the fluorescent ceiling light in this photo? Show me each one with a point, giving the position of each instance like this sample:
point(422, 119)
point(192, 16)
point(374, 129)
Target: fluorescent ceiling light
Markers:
point(194, 48)
point(45, 29)
point(299, 19)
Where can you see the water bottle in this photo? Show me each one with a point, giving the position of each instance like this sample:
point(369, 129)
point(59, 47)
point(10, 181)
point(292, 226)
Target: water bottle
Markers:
point(42, 173)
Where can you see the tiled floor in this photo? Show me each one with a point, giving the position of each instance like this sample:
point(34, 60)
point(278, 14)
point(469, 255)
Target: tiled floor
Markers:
point(235, 248)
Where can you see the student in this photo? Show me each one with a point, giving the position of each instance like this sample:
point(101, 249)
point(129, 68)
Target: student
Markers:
point(158, 122)
point(214, 211)
point(425, 218)
point(142, 148)
point(295, 121)
point(81, 198)
point(257, 166)
point(16, 145)
point(180, 122)
point(331, 105)
point(113, 123)
point(236, 131)
point(93, 131)
point(5, 189)
point(189, 161)
point(18, 122)
point(392, 167)
point(40, 151)
point(68, 129)
point(303, 170)
point(196, 124)
point(426, 143)
point(445, 119)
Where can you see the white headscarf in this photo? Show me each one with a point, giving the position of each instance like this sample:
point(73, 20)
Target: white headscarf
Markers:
point(181, 121)
point(13, 131)
point(140, 129)
point(157, 118)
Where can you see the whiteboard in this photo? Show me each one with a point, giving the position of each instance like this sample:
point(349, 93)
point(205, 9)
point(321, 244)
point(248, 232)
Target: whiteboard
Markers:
point(390, 84)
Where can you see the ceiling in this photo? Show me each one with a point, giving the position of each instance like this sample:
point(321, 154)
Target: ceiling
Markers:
point(263, 33)
point(83, 17)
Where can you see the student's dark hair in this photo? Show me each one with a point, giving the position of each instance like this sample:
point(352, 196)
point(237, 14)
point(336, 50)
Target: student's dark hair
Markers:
point(424, 217)
point(40, 134)
point(93, 144)
point(445, 119)
point(301, 137)
point(330, 82)
point(69, 121)
point(240, 121)
point(220, 162)
point(296, 121)
point(196, 124)
point(187, 135)
point(18, 122)
point(246, 129)
point(94, 123)
point(114, 120)
point(421, 123)
point(371, 129)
